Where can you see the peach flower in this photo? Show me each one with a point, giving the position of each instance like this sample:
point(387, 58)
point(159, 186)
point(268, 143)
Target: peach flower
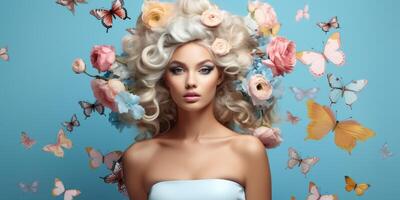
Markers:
point(105, 91)
point(78, 66)
point(221, 47)
point(102, 57)
point(270, 137)
point(212, 17)
point(265, 16)
point(282, 55)
point(259, 89)
point(156, 14)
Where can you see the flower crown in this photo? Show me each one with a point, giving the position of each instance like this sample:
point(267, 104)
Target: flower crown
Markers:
point(261, 85)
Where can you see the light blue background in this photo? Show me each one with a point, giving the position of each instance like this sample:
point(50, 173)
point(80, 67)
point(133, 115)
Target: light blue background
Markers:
point(38, 91)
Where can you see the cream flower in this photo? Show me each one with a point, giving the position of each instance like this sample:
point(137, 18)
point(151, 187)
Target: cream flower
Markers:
point(221, 47)
point(78, 66)
point(259, 89)
point(156, 14)
point(212, 17)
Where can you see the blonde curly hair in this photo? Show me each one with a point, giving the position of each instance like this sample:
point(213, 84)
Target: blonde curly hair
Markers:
point(147, 52)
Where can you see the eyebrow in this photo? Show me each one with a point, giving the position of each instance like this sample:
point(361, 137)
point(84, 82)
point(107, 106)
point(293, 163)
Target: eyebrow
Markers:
point(183, 64)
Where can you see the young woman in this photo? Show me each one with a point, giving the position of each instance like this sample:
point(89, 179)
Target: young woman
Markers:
point(184, 58)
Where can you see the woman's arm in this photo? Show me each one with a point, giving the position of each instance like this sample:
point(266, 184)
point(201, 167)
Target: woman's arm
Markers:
point(258, 177)
point(133, 166)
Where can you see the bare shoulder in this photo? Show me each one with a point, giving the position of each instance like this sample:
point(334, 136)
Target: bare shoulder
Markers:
point(248, 146)
point(138, 152)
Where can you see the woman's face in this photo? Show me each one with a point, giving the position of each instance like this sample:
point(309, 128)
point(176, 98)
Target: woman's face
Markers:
point(192, 70)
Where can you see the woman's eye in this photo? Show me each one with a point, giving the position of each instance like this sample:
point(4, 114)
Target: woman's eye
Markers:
point(206, 70)
point(175, 70)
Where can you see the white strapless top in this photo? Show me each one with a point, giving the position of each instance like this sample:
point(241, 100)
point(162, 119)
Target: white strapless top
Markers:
point(197, 189)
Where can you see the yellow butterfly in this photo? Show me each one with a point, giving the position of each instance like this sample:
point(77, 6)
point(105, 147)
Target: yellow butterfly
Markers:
point(62, 141)
point(358, 188)
point(323, 121)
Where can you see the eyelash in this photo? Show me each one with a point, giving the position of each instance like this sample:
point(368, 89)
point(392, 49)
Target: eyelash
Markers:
point(207, 68)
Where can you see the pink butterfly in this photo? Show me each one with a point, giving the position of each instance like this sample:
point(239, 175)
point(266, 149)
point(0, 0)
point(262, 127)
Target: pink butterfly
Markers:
point(59, 189)
point(70, 4)
point(302, 13)
point(27, 141)
point(304, 163)
point(4, 54)
point(315, 195)
point(62, 141)
point(96, 158)
point(318, 60)
point(291, 118)
point(106, 16)
point(29, 188)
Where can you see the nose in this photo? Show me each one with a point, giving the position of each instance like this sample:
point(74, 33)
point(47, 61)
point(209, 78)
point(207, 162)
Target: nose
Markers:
point(190, 81)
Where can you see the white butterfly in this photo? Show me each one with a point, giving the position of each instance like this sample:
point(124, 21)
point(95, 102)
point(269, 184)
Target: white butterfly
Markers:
point(29, 188)
point(385, 151)
point(305, 164)
point(301, 93)
point(315, 195)
point(4, 54)
point(302, 13)
point(348, 92)
point(59, 189)
point(317, 60)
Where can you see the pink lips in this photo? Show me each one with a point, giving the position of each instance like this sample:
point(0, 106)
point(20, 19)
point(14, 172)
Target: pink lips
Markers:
point(191, 97)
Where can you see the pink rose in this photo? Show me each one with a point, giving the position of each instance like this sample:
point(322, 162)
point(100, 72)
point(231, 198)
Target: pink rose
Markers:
point(102, 57)
point(78, 66)
point(105, 91)
point(221, 47)
point(282, 55)
point(265, 16)
point(270, 137)
point(212, 17)
point(259, 89)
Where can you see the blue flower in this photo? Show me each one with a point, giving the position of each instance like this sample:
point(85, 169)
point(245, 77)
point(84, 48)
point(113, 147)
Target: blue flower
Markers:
point(113, 118)
point(128, 102)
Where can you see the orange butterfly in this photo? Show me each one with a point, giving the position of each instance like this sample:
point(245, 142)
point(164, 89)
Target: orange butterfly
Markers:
point(323, 121)
point(359, 188)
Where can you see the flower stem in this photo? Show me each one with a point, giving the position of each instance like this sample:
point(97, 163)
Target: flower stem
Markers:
point(95, 76)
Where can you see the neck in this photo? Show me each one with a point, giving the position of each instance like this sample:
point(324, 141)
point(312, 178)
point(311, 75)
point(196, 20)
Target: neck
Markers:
point(193, 125)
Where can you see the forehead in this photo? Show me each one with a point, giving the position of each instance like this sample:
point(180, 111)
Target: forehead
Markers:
point(191, 53)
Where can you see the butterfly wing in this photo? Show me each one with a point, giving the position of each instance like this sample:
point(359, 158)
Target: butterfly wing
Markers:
point(313, 192)
point(70, 194)
point(306, 12)
point(119, 10)
point(315, 60)
point(348, 132)
point(298, 93)
point(74, 120)
point(294, 158)
point(332, 52)
point(350, 184)
point(336, 88)
point(111, 158)
point(87, 108)
point(62, 140)
point(334, 22)
point(322, 120)
point(299, 15)
point(307, 163)
point(23, 187)
point(69, 4)
point(4, 54)
point(351, 90)
point(104, 15)
point(324, 26)
point(311, 93)
point(34, 187)
point(26, 141)
point(58, 187)
point(361, 188)
point(99, 107)
point(96, 158)
point(328, 197)
point(55, 149)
